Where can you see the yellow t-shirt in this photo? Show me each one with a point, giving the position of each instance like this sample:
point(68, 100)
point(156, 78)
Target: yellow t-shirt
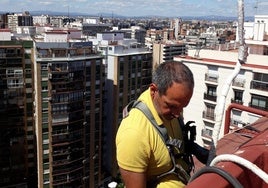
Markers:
point(140, 147)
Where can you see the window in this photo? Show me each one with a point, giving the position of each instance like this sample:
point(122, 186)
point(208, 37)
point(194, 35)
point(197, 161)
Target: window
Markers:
point(260, 102)
point(210, 109)
point(238, 96)
point(208, 132)
point(212, 74)
point(209, 112)
point(15, 78)
point(261, 77)
point(260, 81)
point(211, 90)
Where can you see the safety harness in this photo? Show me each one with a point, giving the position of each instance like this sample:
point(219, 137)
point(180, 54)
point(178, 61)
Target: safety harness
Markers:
point(171, 143)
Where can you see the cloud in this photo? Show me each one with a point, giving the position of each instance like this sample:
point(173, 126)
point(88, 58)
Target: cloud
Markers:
point(46, 2)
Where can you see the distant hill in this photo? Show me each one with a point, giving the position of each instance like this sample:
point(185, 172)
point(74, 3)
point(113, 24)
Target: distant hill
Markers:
point(216, 18)
point(76, 14)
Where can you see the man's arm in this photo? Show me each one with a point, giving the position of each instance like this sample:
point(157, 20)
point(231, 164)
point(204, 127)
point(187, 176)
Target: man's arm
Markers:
point(133, 179)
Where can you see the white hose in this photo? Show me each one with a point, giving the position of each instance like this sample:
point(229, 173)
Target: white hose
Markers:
point(242, 58)
point(219, 110)
point(234, 158)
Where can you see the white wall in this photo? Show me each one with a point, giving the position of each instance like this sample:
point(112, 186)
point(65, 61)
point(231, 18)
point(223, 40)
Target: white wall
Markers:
point(5, 35)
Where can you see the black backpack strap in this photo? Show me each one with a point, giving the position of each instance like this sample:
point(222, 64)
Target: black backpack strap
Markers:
point(128, 108)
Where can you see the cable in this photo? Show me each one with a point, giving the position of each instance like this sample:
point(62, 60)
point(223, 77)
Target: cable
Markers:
point(234, 158)
point(212, 169)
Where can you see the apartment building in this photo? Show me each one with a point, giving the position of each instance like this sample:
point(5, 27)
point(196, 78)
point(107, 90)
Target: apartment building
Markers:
point(211, 70)
point(128, 67)
point(17, 141)
point(135, 32)
point(41, 20)
point(167, 50)
point(15, 20)
point(68, 114)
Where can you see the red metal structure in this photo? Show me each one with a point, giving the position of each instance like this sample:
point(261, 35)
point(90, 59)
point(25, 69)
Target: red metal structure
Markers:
point(249, 143)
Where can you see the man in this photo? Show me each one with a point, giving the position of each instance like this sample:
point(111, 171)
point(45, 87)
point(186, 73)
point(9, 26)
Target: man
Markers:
point(141, 153)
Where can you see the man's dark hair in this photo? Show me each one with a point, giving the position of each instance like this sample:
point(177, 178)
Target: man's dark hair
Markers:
point(169, 72)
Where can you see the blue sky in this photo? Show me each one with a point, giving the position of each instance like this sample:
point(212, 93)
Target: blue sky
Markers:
point(170, 8)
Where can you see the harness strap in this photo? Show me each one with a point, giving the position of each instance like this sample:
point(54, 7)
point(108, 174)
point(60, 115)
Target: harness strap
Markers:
point(161, 129)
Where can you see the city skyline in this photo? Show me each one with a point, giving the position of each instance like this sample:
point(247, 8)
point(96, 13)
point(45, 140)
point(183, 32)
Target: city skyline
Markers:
point(167, 8)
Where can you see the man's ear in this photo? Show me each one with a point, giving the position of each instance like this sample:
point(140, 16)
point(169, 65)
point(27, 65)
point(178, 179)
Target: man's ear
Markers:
point(153, 89)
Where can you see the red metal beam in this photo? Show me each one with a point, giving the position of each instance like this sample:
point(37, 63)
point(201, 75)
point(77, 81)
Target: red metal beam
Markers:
point(243, 108)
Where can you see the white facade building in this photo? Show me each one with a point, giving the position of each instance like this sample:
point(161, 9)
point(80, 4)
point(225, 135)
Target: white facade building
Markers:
point(41, 20)
point(62, 35)
point(256, 30)
point(211, 70)
point(249, 88)
point(5, 34)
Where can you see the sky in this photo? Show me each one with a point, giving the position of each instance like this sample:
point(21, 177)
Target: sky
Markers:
point(168, 8)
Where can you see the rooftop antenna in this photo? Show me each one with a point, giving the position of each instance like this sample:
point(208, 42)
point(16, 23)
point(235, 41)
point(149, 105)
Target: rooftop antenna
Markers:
point(200, 43)
point(68, 16)
point(256, 7)
point(242, 58)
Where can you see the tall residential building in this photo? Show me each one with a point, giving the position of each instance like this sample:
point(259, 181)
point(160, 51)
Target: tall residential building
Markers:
point(167, 50)
point(15, 20)
point(129, 66)
point(176, 25)
point(3, 21)
point(68, 114)
point(17, 141)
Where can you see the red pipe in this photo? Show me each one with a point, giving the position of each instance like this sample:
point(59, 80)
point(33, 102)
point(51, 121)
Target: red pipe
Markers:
point(243, 108)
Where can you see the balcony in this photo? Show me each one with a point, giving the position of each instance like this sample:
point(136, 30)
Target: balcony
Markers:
point(11, 54)
point(209, 115)
point(206, 133)
point(211, 78)
point(210, 97)
point(258, 107)
point(66, 53)
point(61, 152)
point(239, 83)
point(263, 86)
point(238, 101)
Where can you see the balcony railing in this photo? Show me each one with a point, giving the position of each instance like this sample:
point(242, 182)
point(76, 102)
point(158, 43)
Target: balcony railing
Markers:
point(67, 54)
point(258, 107)
point(259, 85)
point(211, 78)
point(239, 83)
point(209, 115)
point(206, 133)
point(238, 101)
point(210, 97)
